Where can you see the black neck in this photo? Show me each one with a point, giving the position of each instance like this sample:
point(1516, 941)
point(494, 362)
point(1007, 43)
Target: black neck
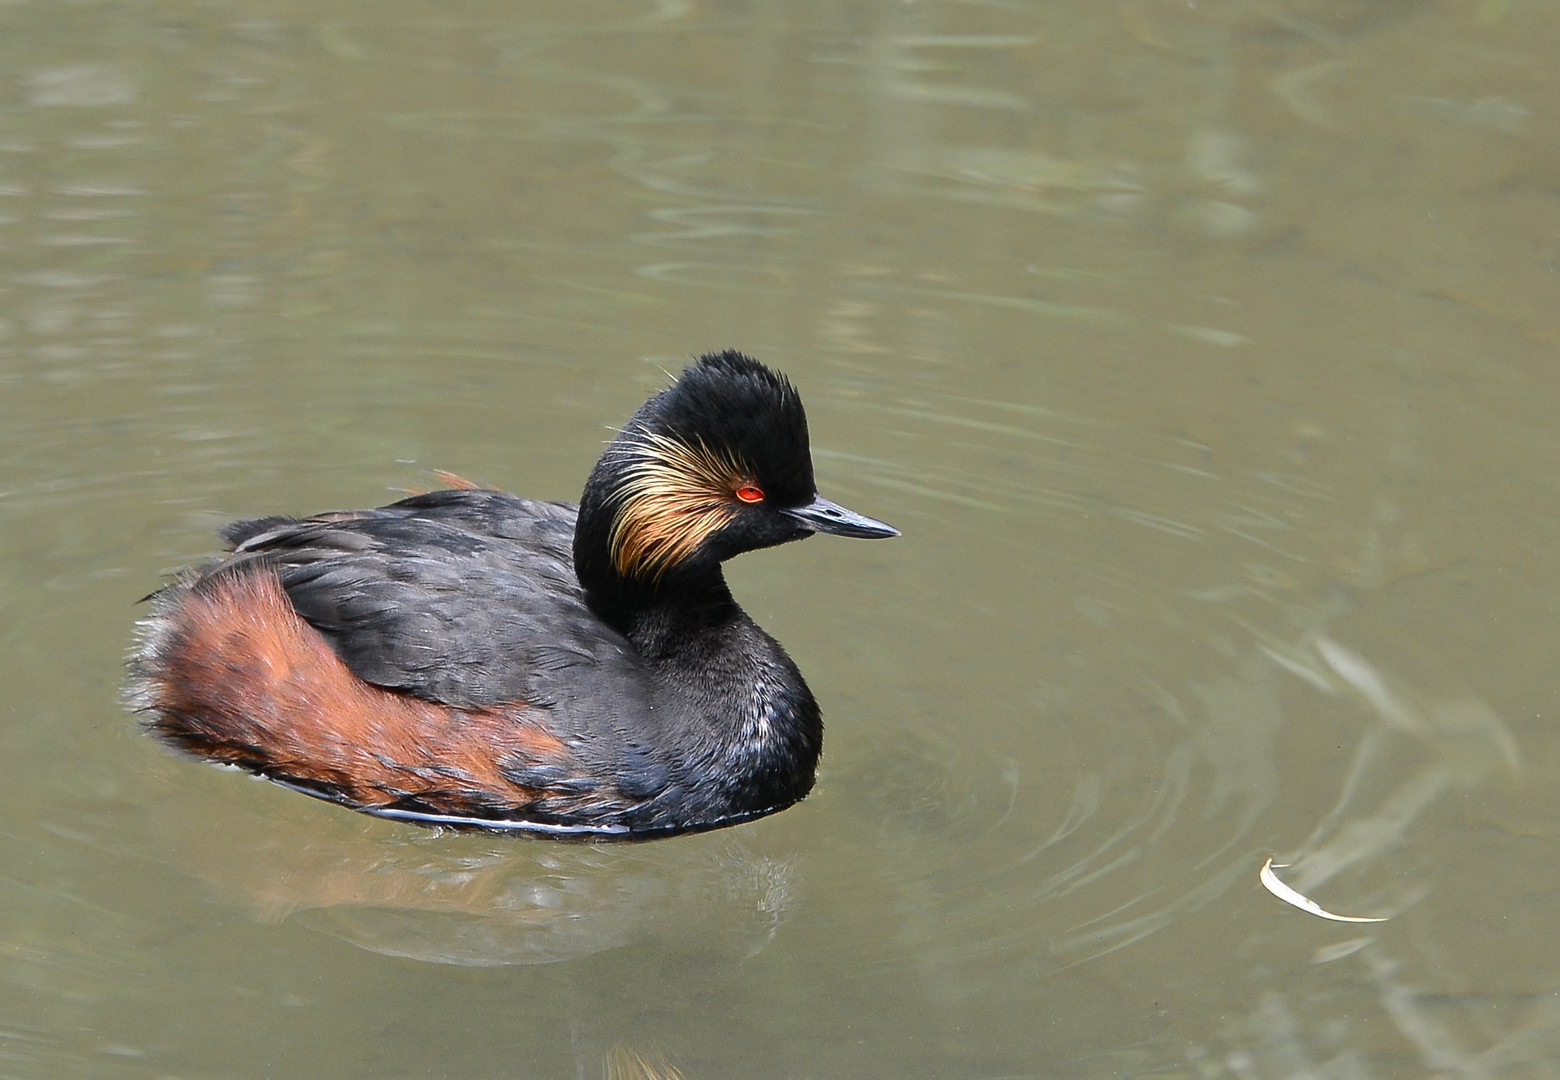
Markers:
point(711, 658)
point(696, 590)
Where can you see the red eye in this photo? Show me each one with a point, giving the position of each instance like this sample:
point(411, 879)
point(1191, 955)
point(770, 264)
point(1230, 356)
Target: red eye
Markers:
point(750, 493)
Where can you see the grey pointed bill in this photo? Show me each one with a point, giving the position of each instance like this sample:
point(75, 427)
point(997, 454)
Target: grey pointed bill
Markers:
point(823, 516)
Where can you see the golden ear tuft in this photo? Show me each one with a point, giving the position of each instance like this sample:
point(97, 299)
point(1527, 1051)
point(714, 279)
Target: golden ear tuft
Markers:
point(673, 495)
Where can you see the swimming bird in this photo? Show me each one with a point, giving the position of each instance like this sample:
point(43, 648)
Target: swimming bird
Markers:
point(469, 658)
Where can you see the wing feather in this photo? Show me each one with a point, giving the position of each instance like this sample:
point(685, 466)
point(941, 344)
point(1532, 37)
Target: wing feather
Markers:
point(462, 597)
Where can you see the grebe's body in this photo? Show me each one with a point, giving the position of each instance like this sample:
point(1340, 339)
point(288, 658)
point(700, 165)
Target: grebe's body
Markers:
point(471, 658)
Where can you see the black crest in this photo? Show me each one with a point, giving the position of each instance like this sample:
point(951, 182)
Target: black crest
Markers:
point(733, 404)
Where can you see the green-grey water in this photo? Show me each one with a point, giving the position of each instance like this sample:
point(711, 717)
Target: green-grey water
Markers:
point(1204, 353)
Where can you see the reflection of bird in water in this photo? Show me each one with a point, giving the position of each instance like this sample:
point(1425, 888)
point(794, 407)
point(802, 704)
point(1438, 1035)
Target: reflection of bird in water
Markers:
point(475, 900)
point(470, 658)
point(501, 911)
point(567, 919)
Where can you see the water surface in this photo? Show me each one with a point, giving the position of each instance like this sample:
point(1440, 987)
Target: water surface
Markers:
point(1203, 352)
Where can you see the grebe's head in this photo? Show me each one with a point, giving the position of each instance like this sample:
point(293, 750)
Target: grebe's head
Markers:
point(715, 465)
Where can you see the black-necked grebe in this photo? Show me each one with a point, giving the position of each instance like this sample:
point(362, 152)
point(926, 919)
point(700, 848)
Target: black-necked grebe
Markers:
point(470, 658)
